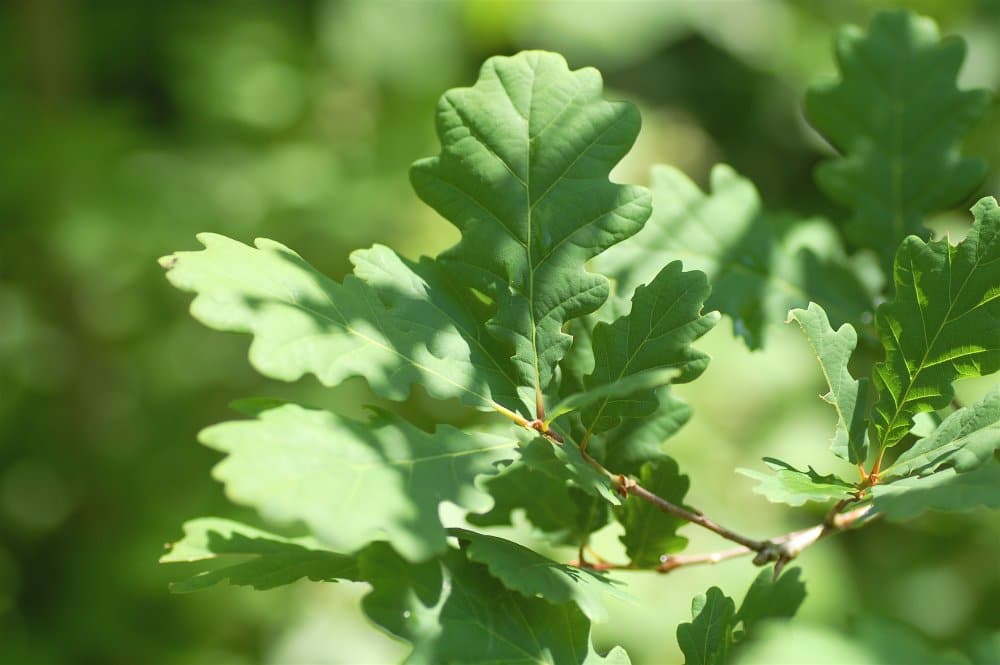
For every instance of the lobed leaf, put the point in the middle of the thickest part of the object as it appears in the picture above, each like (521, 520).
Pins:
(649, 532)
(847, 395)
(759, 264)
(637, 441)
(946, 490)
(706, 640)
(965, 440)
(567, 464)
(523, 570)
(789, 485)
(218, 550)
(943, 325)
(523, 174)
(353, 483)
(613, 392)
(656, 334)
(897, 117)
(395, 323)
(769, 598)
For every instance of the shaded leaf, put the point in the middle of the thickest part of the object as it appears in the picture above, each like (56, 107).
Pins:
(789, 485)
(847, 395)
(759, 264)
(566, 463)
(655, 335)
(351, 482)
(219, 550)
(897, 117)
(637, 441)
(649, 532)
(769, 598)
(965, 440)
(523, 174)
(303, 322)
(945, 490)
(534, 575)
(614, 392)
(943, 325)
(706, 640)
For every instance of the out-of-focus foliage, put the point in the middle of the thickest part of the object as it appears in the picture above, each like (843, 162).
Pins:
(127, 127)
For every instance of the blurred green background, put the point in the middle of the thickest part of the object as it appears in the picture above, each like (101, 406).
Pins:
(127, 127)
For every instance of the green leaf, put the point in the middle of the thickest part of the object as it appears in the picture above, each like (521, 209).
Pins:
(897, 117)
(404, 326)
(656, 334)
(637, 441)
(965, 440)
(566, 463)
(789, 485)
(759, 264)
(219, 550)
(847, 395)
(534, 575)
(942, 325)
(456, 611)
(706, 640)
(613, 392)
(523, 174)
(649, 532)
(769, 598)
(352, 482)
(946, 490)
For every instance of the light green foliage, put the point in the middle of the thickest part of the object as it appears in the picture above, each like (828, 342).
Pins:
(567, 464)
(965, 440)
(759, 264)
(706, 640)
(354, 482)
(214, 550)
(657, 333)
(946, 490)
(403, 327)
(709, 638)
(897, 117)
(534, 575)
(615, 392)
(523, 174)
(847, 395)
(943, 325)
(789, 485)
(649, 532)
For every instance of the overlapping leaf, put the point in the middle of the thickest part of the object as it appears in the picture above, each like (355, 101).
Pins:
(523, 570)
(847, 395)
(789, 485)
(523, 174)
(966, 439)
(897, 118)
(398, 324)
(637, 441)
(943, 325)
(649, 532)
(456, 611)
(351, 482)
(219, 550)
(666, 318)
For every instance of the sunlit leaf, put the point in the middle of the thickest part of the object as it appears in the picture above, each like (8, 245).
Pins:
(789, 485)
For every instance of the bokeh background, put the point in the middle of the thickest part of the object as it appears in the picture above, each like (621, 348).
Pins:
(126, 127)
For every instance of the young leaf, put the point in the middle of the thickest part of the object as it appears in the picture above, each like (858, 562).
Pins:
(219, 550)
(523, 174)
(303, 322)
(769, 598)
(945, 490)
(456, 611)
(534, 575)
(897, 117)
(706, 640)
(351, 482)
(657, 333)
(759, 264)
(965, 440)
(847, 395)
(789, 485)
(649, 532)
(942, 325)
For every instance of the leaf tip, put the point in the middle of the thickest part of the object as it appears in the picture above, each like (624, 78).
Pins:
(167, 262)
